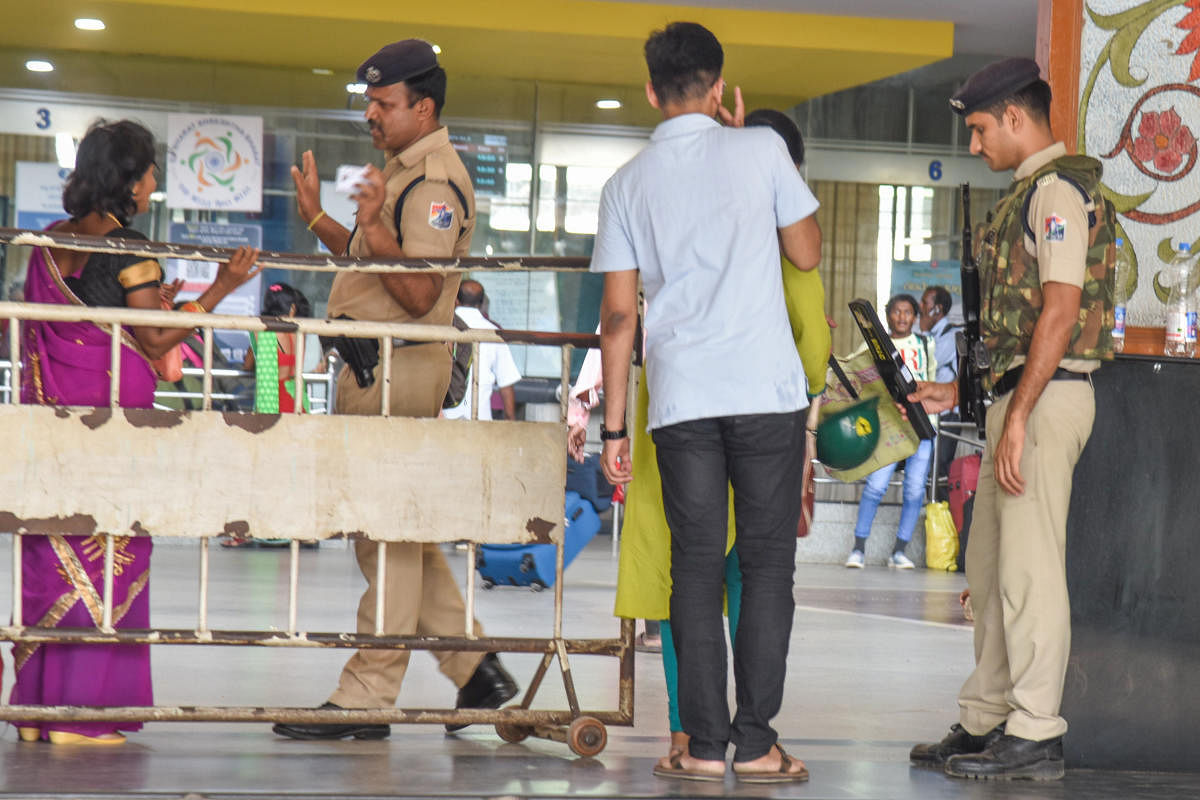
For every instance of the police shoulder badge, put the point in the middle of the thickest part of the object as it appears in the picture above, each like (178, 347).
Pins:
(441, 216)
(1056, 228)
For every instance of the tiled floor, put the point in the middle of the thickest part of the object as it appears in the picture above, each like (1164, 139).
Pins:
(876, 659)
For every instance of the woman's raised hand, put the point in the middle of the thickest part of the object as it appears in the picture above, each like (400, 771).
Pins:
(239, 269)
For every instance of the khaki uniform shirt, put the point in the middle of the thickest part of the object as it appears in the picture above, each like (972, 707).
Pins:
(1062, 260)
(436, 222)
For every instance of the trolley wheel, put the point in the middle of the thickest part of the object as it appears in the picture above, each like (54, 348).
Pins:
(488, 583)
(586, 736)
(512, 732)
(536, 586)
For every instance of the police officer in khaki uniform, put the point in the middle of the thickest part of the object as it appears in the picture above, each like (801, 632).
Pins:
(421, 204)
(1045, 268)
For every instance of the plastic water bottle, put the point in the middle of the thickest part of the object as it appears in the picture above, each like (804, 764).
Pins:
(1120, 300)
(1181, 312)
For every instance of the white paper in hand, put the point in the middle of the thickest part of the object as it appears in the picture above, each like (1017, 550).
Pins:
(349, 178)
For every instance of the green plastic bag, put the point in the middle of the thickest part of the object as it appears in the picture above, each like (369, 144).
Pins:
(941, 538)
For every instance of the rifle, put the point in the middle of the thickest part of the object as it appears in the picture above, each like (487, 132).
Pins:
(973, 359)
(896, 375)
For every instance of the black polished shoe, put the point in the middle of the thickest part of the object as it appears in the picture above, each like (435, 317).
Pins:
(1012, 758)
(315, 731)
(489, 687)
(957, 742)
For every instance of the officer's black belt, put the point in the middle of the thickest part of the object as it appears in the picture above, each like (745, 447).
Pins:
(1008, 381)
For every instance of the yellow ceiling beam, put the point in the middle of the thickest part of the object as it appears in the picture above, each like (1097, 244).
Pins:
(620, 20)
(788, 57)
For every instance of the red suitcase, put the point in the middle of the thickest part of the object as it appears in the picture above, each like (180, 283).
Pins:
(964, 477)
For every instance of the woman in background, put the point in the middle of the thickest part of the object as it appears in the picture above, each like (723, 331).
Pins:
(272, 356)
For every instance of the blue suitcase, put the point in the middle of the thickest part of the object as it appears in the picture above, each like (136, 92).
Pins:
(532, 565)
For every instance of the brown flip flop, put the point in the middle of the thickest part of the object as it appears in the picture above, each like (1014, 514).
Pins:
(782, 775)
(675, 769)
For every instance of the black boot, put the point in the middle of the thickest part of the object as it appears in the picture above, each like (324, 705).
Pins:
(357, 730)
(956, 742)
(489, 687)
(1012, 758)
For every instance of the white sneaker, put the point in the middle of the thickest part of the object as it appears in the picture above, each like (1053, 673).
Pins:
(900, 561)
(856, 560)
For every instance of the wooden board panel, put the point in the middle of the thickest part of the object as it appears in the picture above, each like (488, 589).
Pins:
(187, 474)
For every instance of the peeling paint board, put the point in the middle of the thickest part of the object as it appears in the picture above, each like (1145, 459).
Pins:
(188, 474)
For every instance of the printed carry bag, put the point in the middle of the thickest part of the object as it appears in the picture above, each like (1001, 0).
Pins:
(897, 439)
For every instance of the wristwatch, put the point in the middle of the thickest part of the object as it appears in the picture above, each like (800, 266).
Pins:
(607, 435)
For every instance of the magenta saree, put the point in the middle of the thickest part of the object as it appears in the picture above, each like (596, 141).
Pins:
(67, 363)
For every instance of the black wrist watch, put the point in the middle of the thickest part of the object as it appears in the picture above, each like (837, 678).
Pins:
(607, 435)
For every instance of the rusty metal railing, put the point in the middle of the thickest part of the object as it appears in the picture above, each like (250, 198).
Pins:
(582, 730)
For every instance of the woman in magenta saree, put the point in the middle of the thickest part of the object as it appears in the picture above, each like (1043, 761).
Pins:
(67, 364)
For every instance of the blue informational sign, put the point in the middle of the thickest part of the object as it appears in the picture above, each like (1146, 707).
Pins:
(38, 220)
(197, 276)
(39, 190)
(914, 277)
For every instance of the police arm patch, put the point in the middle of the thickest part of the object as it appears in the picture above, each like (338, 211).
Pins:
(1055, 228)
(441, 216)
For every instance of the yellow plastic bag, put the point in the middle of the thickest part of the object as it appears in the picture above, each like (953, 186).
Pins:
(941, 538)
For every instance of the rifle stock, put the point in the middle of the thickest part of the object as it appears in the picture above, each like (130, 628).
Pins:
(973, 361)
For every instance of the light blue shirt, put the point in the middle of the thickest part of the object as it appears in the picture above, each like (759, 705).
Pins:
(698, 213)
(947, 351)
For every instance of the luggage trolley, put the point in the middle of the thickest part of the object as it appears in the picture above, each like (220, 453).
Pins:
(528, 508)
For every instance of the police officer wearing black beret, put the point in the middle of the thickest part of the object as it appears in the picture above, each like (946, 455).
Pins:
(1046, 317)
(420, 205)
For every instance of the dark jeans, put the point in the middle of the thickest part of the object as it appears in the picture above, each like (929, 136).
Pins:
(762, 456)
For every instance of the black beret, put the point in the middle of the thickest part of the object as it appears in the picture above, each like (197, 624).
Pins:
(993, 83)
(396, 62)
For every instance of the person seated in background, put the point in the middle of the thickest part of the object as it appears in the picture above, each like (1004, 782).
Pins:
(918, 353)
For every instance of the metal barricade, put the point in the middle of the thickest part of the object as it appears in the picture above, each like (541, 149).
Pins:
(511, 508)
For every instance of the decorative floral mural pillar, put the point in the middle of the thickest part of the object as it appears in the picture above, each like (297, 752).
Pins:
(1139, 111)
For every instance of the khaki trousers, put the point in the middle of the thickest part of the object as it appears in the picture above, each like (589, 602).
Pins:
(421, 596)
(1016, 571)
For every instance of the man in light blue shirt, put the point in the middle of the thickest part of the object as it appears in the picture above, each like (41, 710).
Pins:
(935, 308)
(936, 303)
(700, 215)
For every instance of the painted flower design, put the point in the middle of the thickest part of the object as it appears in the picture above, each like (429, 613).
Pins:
(1163, 139)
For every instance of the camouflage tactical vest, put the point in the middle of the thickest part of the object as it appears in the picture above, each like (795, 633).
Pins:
(1011, 287)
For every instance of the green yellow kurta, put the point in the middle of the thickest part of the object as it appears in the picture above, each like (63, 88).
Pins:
(644, 574)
